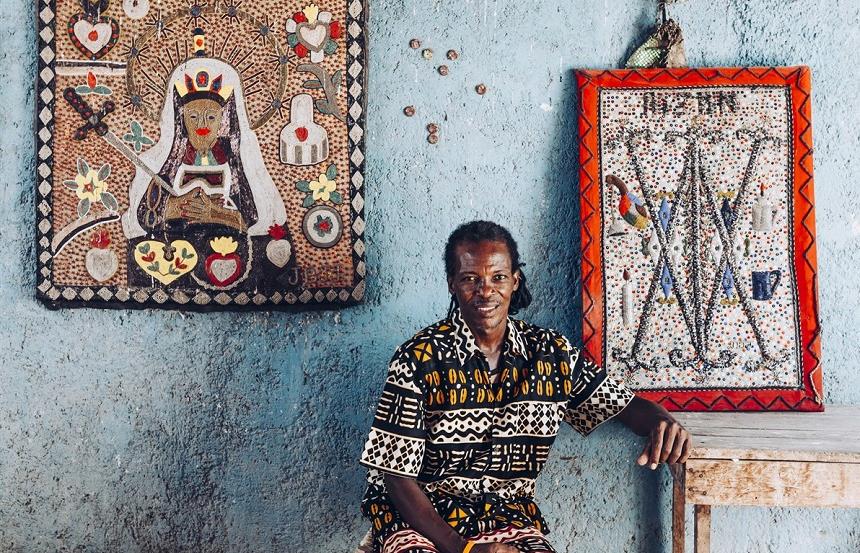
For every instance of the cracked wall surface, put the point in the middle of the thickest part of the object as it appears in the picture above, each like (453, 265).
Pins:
(238, 432)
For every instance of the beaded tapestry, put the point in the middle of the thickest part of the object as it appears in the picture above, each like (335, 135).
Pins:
(200, 154)
(699, 266)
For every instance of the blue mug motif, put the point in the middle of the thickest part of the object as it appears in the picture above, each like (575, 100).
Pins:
(764, 284)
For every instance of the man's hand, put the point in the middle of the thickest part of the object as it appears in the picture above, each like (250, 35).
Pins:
(669, 442)
(494, 548)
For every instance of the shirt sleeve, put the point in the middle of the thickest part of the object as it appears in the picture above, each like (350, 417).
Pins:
(595, 397)
(396, 441)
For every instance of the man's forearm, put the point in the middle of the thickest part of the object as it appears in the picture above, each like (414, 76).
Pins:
(416, 509)
(641, 415)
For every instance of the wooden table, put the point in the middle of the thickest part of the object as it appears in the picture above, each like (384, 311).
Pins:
(766, 459)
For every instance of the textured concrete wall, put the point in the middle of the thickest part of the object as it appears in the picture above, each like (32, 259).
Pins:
(240, 432)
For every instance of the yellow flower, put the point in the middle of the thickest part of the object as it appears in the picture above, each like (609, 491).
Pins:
(90, 187)
(322, 188)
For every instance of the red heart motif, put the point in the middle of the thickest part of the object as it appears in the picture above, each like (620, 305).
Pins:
(302, 134)
(218, 278)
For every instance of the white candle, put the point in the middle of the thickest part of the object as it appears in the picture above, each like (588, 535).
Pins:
(627, 300)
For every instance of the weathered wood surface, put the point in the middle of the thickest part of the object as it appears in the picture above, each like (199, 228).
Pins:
(766, 459)
(366, 545)
(679, 493)
(773, 483)
(702, 528)
(831, 436)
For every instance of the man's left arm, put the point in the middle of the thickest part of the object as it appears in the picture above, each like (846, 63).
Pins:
(596, 398)
(668, 440)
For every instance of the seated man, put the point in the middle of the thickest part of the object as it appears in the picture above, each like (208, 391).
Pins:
(471, 407)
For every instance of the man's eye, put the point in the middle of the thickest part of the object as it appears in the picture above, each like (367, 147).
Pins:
(501, 277)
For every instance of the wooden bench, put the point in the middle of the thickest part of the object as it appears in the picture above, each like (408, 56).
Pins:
(365, 546)
(765, 459)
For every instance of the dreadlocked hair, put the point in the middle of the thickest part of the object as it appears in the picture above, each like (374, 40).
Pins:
(487, 231)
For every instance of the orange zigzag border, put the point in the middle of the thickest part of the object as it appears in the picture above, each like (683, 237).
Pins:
(810, 396)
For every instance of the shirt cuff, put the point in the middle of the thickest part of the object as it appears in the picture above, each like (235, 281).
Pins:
(393, 453)
(608, 399)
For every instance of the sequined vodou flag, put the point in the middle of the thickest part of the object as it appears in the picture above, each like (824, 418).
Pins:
(200, 154)
(699, 264)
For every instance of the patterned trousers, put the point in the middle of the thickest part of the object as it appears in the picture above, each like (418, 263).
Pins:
(527, 540)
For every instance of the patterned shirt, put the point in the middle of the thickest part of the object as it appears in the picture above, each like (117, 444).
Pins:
(475, 444)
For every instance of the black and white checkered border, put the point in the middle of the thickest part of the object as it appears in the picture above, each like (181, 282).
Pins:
(112, 296)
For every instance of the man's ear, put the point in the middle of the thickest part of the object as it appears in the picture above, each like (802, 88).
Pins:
(451, 286)
(517, 277)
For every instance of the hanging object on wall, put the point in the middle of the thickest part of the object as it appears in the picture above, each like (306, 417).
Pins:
(699, 257)
(170, 140)
(664, 47)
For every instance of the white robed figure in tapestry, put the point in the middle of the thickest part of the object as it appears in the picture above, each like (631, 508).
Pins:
(212, 193)
(209, 157)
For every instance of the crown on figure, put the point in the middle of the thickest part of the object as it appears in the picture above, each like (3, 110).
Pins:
(202, 85)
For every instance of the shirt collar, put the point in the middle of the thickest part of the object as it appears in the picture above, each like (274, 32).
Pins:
(466, 346)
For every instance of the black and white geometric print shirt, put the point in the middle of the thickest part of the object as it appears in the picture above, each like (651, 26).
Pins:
(442, 420)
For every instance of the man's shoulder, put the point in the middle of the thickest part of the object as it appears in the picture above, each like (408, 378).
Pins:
(542, 339)
(428, 342)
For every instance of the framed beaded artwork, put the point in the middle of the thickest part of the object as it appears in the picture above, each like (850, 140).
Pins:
(200, 154)
(698, 235)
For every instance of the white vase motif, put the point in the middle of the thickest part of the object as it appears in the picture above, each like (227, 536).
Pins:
(627, 300)
(303, 142)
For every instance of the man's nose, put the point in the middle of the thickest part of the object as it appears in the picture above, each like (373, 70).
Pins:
(485, 287)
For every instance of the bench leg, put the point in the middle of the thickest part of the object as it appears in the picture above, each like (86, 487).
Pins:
(703, 528)
(678, 507)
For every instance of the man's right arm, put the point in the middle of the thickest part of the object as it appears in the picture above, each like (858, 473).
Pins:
(416, 509)
(395, 447)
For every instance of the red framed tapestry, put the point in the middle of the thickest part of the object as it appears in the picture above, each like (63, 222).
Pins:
(200, 154)
(698, 235)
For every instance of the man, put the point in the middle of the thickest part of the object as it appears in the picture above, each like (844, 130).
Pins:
(471, 407)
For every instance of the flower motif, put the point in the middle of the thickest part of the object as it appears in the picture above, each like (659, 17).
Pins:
(322, 188)
(323, 226)
(312, 32)
(136, 137)
(92, 87)
(90, 186)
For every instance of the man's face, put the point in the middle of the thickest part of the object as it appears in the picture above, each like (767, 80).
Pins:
(202, 119)
(484, 283)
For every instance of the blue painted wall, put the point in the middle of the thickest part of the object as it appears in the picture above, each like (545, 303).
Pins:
(240, 432)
